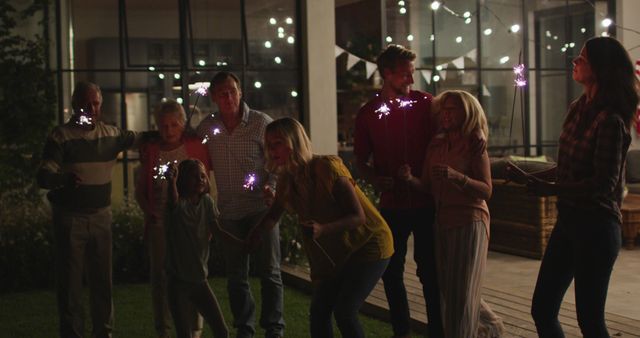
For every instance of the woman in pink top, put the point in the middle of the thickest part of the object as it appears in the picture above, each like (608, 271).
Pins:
(457, 173)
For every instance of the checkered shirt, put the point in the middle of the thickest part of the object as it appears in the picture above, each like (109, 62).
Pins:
(234, 156)
(592, 151)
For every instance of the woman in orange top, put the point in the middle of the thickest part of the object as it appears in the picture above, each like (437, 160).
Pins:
(457, 173)
(346, 239)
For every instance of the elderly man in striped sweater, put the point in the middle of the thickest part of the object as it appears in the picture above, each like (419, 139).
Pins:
(76, 167)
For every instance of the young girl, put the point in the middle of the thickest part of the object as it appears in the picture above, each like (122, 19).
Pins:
(347, 241)
(456, 171)
(190, 219)
(151, 194)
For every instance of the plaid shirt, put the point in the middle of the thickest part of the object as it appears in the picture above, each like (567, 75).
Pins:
(592, 151)
(234, 156)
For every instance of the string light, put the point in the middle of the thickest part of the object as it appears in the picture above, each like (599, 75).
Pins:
(435, 5)
(291, 40)
(410, 37)
(161, 76)
(152, 68)
(294, 93)
(488, 31)
(277, 60)
(202, 63)
(257, 84)
(606, 22)
(515, 28)
(402, 10)
(273, 21)
(267, 44)
(288, 21)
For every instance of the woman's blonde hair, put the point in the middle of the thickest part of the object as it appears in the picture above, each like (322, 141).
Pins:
(169, 106)
(296, 139)
(475, 118)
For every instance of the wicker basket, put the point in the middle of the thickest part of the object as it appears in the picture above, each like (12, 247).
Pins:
(520, 222)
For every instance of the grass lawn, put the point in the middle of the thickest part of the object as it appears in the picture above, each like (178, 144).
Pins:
(34, 314)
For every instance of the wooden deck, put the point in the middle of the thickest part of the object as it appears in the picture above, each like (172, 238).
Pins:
(513, 308)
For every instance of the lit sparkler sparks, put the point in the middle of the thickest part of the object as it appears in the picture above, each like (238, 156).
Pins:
(215, 131)
(202, 89)
(161, 170)
(520, 80)
(383, 111)
(83, 119)
(405, 103)
(250, 182)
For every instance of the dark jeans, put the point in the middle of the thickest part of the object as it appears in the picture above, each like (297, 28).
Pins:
(583, 246)
(343, 295)
(402, 224)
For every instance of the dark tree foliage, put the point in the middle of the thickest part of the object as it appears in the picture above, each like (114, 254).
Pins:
(27, 98)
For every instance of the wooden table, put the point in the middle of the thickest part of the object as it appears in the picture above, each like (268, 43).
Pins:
(630, 219)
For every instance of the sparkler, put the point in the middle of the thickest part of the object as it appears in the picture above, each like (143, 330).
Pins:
(383, 111)
(520, 80)
(161, 170)
(215, 132)
(250, 182)
(84, 119)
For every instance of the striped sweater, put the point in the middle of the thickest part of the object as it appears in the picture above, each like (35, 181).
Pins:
(90, 155)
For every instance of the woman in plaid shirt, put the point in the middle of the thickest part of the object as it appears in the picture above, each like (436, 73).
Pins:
(588, 181)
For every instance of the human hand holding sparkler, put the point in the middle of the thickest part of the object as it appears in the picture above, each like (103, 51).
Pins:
(444, 172)
(404, 172)
(312, 229)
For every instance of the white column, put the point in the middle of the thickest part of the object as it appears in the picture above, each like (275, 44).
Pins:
(627, 12)
(319, 75)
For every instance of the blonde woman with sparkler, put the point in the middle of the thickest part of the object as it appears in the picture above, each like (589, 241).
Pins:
(347, 241)
(456, 171)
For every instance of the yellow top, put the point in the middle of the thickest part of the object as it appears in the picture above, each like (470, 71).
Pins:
(309, 195)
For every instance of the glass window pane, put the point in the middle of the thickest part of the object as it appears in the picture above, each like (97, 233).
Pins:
(271, 30)
(216, 33)
(504, 118)
(153, 33)
(453, 44)
(94, 32)
(501, 25)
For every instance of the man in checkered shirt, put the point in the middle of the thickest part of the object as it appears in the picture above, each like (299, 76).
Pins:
(235, 138)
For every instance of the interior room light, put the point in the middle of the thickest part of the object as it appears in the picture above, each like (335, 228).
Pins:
(435, 5)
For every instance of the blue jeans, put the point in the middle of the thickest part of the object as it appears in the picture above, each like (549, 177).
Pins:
(343, 295)
(402, 224)
(241, 300)
(583, 246)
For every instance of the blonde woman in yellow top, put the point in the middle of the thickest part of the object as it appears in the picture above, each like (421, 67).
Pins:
(346, 240)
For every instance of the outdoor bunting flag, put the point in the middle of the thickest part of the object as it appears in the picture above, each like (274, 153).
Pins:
(352, 60)
(426, 74)
(459, 62)
(338, 51)
(371, 68)
(473, 55)
(485, 91)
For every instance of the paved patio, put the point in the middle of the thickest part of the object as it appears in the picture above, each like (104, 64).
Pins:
(509, 285)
